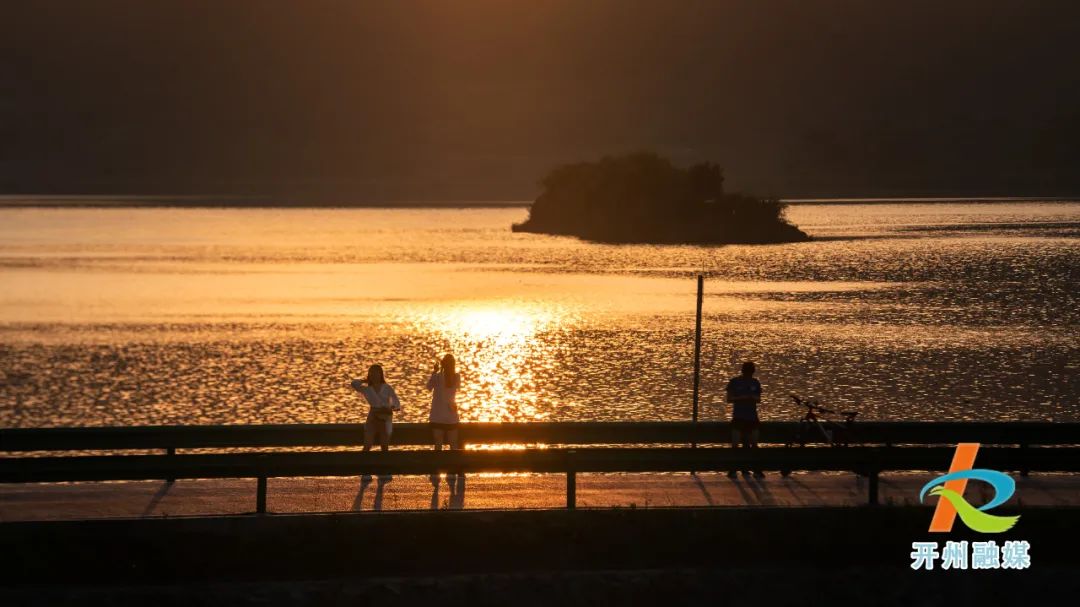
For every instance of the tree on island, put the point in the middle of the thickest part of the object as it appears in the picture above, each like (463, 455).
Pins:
(643, 198)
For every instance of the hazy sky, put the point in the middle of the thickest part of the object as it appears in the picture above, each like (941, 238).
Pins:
(477, 98)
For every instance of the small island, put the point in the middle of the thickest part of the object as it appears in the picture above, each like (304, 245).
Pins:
(644, 198)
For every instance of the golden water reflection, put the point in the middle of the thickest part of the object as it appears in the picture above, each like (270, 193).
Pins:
(226, 316)
(502, 362)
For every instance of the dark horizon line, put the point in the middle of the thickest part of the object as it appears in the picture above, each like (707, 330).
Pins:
(255, 202)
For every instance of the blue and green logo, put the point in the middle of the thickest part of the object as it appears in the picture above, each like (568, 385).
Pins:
(950, 491)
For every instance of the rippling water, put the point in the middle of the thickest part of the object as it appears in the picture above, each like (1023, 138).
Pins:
(169, 316)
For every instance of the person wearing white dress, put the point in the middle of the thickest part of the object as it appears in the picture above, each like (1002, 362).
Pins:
(383, 402)
(444, 384)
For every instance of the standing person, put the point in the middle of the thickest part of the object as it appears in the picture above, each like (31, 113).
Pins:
(383, 401)
(444, 384)
(744, 394)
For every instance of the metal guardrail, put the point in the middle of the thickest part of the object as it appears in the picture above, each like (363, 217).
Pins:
(865, 460)
(551, 433)
(868, 461)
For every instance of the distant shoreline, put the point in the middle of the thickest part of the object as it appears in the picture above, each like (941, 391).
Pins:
(238, 202)
(931, 200)
(244, 202)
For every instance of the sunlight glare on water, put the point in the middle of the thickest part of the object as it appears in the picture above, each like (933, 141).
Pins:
(506, 361)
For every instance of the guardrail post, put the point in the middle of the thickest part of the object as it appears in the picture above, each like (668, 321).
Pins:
(169, 452)
(873, 474)
(571, 481)
(260, 496)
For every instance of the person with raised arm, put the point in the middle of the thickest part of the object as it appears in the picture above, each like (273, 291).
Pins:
(382, 402)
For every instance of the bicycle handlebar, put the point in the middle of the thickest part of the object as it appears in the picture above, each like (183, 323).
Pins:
(812, 405)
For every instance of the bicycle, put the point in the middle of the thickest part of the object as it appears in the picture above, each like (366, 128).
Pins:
(836, 434)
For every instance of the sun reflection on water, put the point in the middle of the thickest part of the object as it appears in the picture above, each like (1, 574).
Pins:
(500, 357)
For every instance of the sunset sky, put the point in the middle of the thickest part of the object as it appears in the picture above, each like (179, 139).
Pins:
(475, 100)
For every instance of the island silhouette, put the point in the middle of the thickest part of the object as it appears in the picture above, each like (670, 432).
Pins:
(643, 198)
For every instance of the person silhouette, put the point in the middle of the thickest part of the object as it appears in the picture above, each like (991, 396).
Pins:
(444, 384)
(383, 402)
(744, 394)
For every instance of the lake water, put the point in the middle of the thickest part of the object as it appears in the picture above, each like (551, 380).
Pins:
(957, 311)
